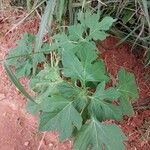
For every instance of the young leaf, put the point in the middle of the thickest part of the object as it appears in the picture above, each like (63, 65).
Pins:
(97, 29)
(64, 120)
(99, 136)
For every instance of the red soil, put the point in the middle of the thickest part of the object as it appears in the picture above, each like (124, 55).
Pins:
(18, 129)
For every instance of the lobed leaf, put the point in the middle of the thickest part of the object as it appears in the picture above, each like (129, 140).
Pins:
(64, 120)
(84, 69)
(99, 136)
(97, 28)
(101, 105)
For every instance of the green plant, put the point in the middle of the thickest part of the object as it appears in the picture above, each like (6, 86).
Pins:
(24, 63)
(72, 97)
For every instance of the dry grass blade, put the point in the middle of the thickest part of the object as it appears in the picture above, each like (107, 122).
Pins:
(126, 37)
(145, 6)
(102, 2)
(142, 30)
(22, 20)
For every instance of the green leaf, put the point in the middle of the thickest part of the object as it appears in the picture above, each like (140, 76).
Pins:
(86, 69)
(126, 106)
(72, 66)
(63, 42)
(64, 120)
(56, 95)
(47, 48)
(81, 100)
(72, 93)
(96, 72)
(101, 103)
(53, 104)
(106, 23)
(99, 136)
(86, 52)
(75, 32)
(99, 35)
(22, 63)
(84, 32)
(48, 104)
(88, 19)
(97, 29)
(46, 80)
(49, 91)
(128, 89)
(22, 56)
(79, 48)
(127, 84)
(109, 94)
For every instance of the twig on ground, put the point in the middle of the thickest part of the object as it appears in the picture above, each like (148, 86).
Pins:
(40, 144)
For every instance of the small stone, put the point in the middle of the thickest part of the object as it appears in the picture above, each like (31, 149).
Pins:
(26, 143)
(50, 144)
(2, 96)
